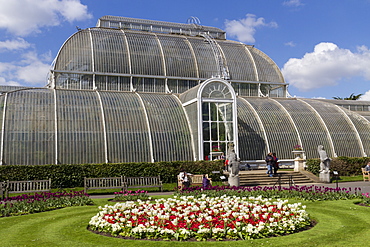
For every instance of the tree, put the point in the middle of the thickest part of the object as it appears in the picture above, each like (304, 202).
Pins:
(351, 97)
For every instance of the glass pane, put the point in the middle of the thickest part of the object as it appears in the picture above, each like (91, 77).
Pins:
(214, 131)
(169, 128)
(213, 111)
(222, 135)
(205, 111)
(216, 90)
(207, 150)
(216, 147)
(80, 127)
(30, 130)
(229, 112)
(172, 85)
(206, 134)
(229, 131)
(113, 83)
(138, 84)
(101, 82)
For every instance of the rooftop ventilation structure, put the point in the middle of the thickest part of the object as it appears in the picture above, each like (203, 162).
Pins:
(190, 29)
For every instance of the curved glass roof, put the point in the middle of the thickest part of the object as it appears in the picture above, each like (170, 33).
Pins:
(48, 126)
(107, 51)
(45, 126)
(277, 125)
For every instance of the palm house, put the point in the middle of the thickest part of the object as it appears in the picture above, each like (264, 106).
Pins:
(134, 90)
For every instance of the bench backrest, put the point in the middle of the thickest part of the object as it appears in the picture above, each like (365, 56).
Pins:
(195, 180)
(137, 181)
(28, 186)
(365, 174)
(112, 182)
(2, 189)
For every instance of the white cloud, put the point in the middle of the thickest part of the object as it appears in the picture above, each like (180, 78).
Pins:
(24, 17)
(326, 66)
(12, 45)
(293, 3)
(8, 83)
(32, 70)
(73, 10)
(366, 96)
(290, 43)
(244, 29)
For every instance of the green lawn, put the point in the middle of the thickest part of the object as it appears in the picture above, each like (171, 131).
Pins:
(349, 179)
(172, 186)
(339, 223)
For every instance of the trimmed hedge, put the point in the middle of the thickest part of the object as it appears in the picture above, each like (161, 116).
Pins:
(346, 166)
(72, 175)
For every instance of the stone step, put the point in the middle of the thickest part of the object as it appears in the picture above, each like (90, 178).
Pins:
(253, 178)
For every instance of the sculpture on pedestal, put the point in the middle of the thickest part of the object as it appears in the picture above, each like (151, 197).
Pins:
(325, 160)
(324, 165)
(233, 166)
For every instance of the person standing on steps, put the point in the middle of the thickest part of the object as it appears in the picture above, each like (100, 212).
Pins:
(269, 163)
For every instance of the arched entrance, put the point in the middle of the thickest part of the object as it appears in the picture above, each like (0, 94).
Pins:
(217, 118)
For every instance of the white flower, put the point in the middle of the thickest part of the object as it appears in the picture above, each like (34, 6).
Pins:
(189, 209)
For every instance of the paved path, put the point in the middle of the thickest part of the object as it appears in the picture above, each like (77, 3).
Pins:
(364, 186)
(112, 196)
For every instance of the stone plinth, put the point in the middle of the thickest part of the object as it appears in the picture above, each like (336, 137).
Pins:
(299, 160)
(234, 181)
(324, 177)
(299, 164)
(299, 154)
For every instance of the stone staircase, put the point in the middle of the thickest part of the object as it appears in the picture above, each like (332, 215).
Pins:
(259, 177)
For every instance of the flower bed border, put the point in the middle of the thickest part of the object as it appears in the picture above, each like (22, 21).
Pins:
(205, 218)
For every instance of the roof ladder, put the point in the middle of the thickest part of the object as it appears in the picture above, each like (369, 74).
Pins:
(223, 70)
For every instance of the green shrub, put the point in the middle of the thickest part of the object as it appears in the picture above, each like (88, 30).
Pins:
(313, 166)
(28, 204)
(72, 175)
(345, 166)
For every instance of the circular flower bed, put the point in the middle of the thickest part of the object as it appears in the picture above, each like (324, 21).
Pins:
(201, 218)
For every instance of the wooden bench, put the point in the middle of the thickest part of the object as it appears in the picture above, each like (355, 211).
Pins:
(2, 189)
(196, 180)
(25, 186)
(104, 183)
(365, 174)
(143, 182)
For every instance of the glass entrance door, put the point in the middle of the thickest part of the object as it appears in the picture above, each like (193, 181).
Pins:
(218, 119)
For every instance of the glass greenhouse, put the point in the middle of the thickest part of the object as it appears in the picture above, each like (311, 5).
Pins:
(133, 90)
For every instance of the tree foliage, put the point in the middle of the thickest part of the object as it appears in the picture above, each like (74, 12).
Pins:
(351, 97)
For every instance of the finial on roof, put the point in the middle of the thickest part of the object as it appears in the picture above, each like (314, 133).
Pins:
(193, 20)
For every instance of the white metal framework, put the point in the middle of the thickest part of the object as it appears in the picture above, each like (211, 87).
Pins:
(217, 117)
(133, 90)
(126, 54)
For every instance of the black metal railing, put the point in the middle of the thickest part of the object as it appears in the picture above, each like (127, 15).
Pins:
(281, 180)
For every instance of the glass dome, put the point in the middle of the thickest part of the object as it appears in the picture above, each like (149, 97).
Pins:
(138, 57)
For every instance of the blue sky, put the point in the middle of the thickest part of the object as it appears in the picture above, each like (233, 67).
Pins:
(321, 46)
